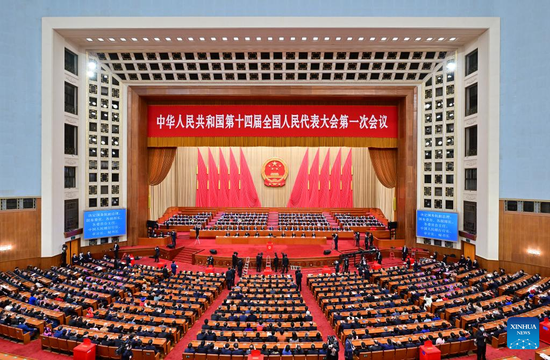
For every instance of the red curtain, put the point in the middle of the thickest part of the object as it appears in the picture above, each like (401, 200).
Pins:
(313, 183)
(160, 162)
(202, 182)
(335, 177)
(324, 179)
(213, 177)
(234, 181)
(299, 197)
(384, 162)
(249, 196)
(346, 196)
(223, 195)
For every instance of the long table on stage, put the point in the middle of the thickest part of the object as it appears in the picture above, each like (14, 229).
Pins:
(158, 241)
(276, 233)
(262, 240)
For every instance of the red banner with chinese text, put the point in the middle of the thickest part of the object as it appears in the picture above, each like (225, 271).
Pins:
(272, 121)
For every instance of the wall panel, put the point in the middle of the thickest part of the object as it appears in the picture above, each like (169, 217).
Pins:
(21, 229)
(179, 187)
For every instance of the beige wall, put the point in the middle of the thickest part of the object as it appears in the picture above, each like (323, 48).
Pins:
(179, 187)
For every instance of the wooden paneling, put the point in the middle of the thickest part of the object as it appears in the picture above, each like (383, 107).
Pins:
(43, 263)
(519, 232)
(403, 97)
(469, 250)
(21, 230)
(138, 192)
(179, 186)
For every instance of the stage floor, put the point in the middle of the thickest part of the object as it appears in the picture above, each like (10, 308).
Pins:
(253, 250)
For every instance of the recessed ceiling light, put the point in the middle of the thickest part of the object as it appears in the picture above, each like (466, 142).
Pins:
(451, 66)
(395, 39)
(92, 65)
(202, 39)
(91, 74)
(168, 39)
(304, 38)
(156, 39)
(418, 39)
(338, 38)
(406, 39)
(179, 39)
(269, 38)
(89, 39)
(292, 38)
(247, 39)
(123, 39)
(327, 38)
(236, 38)
(190, 39)
(281, 38)
(384, 39)
(440, 39)
(452, 39)
(429, 39)
(315, 38)
(361, 38)
(134, 39)
(372, 38)
(145, 39)
(349, 38)
(213, 39)
(100, 39)
(258, 38)
(224, 38)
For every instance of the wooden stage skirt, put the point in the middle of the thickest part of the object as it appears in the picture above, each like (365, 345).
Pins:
(251, 240)
(159, 241)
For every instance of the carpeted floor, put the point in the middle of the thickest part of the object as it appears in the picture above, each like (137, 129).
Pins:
(33, 350)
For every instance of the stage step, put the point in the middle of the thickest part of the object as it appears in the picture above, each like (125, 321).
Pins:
(186, 255)
(331, 220)
(215, 218)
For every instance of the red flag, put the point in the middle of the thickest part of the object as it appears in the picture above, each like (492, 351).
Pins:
(202, 182)
(346, 197)
(314, 182)
(324, 178)
(249, 196)
(213, 176)
(234, 182)
(335, 176)
(223, 195)
(299, 197)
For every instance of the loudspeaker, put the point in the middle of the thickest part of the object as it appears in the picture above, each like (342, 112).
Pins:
(213, 251)
(327, 252)
(392, 225)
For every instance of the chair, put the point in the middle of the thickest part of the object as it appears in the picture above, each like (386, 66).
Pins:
(12, 333)
(137, 354)
(412, 353)
(103, 351)
(365, 355)
(287, 357)
(212, 357)
(389, 354)
(63, 346)
(300, 357)
(150, 355)
(112, 353)
(455, 348)
(377, 355)
(187, 356)
(225, 357)
(466, 346)
(312, 357)
(44, 342)
(200, 356)
(72, 344)
(54, 344)
(400, 354)
(4, 330)
(269, 357)
(445, 349)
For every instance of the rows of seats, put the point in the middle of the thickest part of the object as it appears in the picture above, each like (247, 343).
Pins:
(263, 312)
(241, 221)
(200, 219)
(303, 221)
(111, 305)
(347, 220)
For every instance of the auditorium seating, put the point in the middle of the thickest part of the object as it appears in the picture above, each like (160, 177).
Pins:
(241, 221)
(179, 219)
(348, 220)
(303, 221)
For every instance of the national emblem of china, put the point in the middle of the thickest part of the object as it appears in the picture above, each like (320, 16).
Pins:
(274, 172)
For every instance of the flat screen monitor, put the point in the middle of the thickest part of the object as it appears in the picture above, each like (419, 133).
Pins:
(104, 223)
(437, 225)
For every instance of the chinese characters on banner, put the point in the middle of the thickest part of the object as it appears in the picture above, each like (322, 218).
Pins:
(437, 225)
(104, 223)
(272, 121)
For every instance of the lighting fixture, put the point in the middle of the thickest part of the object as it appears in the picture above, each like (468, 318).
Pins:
(247, 39)
(384, 39)
(281, 38)
(258, 39)
(533, 252)
(292, 38)
(429, 39)
(440, 39)
(395, 39)
(90, 74)
(315, 38)
(327, 38)
(406, 39)
(418, 39)
(156, 39)
(213, 39)
(452, 39)
(349, 38)
(190, 39)
(168, 39)
(145, 39)
(89, 39)
(100, 39)
(304, 38)
(179, 39)
(269, 38)
(123, 39)
(372, 39)
(236, 38)
(361, 38)
(338, 38)
(224, 38)
(451, 66)
(92, 65)
(134, 39)
(5, 247)
(202, 39)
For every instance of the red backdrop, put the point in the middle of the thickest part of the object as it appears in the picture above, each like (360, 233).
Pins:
(272, 121)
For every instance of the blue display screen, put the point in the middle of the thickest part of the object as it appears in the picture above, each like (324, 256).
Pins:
(104, 223)
(437, 225)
